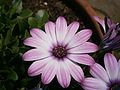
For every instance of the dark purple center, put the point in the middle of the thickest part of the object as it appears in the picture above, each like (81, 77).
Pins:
(59, 51)
(115, 86)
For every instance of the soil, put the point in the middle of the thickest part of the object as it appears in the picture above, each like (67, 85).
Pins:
(54, 8)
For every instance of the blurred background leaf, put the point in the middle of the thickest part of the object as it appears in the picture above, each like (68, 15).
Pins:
(107, 7)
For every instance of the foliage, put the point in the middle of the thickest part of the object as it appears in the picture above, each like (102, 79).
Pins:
(15, 21)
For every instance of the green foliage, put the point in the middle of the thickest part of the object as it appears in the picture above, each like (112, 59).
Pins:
(15, 21)
(39, 19)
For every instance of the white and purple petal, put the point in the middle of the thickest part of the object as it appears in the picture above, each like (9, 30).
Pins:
(99, 72)
(72, 29)
(40, 34)
(61, 29)
(118, 71)
(49, 71)
(63, 74)
(50, 31)
(111, 66)
(75, 71)
(36, 67)
(94, 84)
(80, 38)
(82, 59)
(35, 54)
(86, 47)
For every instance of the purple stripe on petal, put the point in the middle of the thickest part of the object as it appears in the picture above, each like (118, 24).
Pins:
(86, 47)
(119, 71)
(111, 66)
(101, 22)
(50, 30)
(37, 67)
(94, 84)
(49, 71)
(80, 38)
(99, 72)
(75, 71)
(37, 33)
(72, 29)
(61, 29)
(37, 43)
(35, 54)
(63, 74)
(82, 59)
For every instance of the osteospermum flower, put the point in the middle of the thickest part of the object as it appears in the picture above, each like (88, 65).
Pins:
(104, 79)
(57, 50)
(111, 40)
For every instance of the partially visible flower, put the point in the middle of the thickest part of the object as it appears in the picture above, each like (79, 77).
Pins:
(111, 40)
(104, 79)
(57, 50)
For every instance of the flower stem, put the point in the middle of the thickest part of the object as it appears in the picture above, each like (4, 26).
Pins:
(90, 11)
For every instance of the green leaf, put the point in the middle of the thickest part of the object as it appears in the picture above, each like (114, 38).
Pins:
(23, 25)
(17, 7)
(1, 26)
(32, 22)
(42, 17)
(12, 75)
(0, 44)
(26, 13)
(8, 38)
(2, 87)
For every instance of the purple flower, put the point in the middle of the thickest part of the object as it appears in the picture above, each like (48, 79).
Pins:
(57, 50)
(111, 40)
(104, 79)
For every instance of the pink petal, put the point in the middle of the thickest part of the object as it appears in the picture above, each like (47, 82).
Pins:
(101, 21)
(61, 29)
(37, 33)
(63, 74)
(94, 84)
(35, 54)
(82, 59)
(37, 67)
(75, 71)
(111, 66)
(37, 43)
(72, 29)
(50, 30)
(119, 70)
(86, 47)
(49, 71)
(99, 72)
(80, 38)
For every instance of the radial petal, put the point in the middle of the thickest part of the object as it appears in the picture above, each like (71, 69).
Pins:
(63, 74)
(61, 29)
(111, 66)
(37, 43)
(49, 71)
(72, 29)
(37, 33)
(94, 84)
(119, 71)
(35, 54)
(75, 71)
(79, 38)
(100, 21)
(50, 30)
(37, 67)
(86, 47)
(82, 59)
(99, 72)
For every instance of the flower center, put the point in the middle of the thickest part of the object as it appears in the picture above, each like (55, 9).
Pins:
(59, 51)
(115, 87)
